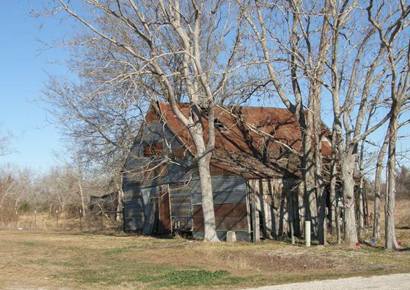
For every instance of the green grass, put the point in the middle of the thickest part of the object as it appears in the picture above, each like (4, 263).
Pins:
(154, 276)
(188, 278)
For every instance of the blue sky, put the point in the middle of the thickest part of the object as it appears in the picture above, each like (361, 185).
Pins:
(25, 63)
(28, 55)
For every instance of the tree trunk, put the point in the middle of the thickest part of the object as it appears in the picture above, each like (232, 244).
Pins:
(207, 199)
(377, 188)
(390, 233)
(81, 191)
(320, 191)
(337, 221)
(360, 211)
(332, 195)
(309, 172)
(204, 161)
(120, 199)
(348, 163)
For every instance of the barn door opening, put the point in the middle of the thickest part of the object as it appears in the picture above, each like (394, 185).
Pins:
(164, 212)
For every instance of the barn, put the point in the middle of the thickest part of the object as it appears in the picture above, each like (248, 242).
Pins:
(254, 168)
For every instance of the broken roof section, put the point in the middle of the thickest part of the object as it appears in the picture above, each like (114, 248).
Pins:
(254, 142)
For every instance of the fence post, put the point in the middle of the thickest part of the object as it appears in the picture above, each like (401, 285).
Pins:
(307, 233)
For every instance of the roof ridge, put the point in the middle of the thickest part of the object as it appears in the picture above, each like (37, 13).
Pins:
(229, 106)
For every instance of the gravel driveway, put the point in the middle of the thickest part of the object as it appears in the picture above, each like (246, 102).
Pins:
(390, 282)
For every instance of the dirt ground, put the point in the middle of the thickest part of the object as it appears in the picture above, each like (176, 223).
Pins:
(71, 261)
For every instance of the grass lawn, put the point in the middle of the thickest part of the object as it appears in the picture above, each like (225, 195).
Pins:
(56, 260)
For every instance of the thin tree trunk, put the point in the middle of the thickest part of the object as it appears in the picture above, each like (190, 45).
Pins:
(360, 211)
(120, 200)
(80, 189)
(337, 221)
(377, 188)
(390, 233)
(348, 164)
(332, 196)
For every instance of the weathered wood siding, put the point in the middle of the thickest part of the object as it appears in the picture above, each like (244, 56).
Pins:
(230, 203)
(139, 191)
(138, 208)
(181, 207)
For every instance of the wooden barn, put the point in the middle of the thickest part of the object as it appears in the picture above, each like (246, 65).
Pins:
(255, 176)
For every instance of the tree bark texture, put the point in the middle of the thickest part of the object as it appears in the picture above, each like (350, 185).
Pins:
(377, 189)
(348, 164)
(390, 233)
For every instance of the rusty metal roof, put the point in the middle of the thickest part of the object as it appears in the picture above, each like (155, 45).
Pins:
(255, 142)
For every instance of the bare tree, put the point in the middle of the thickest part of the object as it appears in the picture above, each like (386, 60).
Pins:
(391, 32)
(173, 51)
(286, 52)
(355, 118)
(4, 144)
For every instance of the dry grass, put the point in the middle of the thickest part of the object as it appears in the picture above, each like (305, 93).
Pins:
(57, 260)
(74, 260)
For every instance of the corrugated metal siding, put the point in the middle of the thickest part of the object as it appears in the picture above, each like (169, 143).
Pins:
(227, 189)
(231, 212)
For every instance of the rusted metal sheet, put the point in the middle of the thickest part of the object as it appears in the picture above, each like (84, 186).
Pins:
(236, 149)
(228, 216)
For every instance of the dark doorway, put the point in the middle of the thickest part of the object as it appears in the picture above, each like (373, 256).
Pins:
(164, 213)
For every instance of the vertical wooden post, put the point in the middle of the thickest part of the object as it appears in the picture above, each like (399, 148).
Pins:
(257, 226)
(57, 218)
(255, 221)
(307, 233)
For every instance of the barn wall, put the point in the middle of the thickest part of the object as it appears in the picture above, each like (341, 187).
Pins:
(181, 207)
(150, 134)
(140, 190)
(139, 207)
(230, 202)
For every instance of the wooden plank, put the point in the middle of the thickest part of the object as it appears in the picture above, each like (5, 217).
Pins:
(255, 218)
